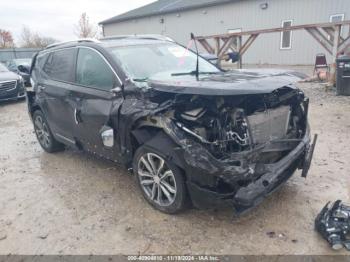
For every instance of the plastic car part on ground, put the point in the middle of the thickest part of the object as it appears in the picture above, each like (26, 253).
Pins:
(333, 223)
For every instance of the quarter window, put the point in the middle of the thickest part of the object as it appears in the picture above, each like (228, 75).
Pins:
(93, 71)
(286, 36)
(60, 65)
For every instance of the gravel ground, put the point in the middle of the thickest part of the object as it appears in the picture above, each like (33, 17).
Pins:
(73, 203)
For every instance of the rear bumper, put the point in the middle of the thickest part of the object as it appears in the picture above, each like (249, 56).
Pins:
(244, 197)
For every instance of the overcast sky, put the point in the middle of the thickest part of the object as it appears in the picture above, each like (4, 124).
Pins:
(56, 18)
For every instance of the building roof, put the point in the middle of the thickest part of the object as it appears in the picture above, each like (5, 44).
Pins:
(161, 7)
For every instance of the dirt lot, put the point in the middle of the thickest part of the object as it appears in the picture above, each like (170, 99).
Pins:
(72, 203)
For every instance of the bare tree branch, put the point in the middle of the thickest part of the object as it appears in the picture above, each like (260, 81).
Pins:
(34, 40)
(6, 39)
(84, 29)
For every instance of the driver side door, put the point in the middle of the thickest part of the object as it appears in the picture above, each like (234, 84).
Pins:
(95, 105)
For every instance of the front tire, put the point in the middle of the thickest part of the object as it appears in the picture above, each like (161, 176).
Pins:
(44, 134)
(161, 182)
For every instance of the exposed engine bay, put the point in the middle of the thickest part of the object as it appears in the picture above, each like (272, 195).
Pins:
(226, 125)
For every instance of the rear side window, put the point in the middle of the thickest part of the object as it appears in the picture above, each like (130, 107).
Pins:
(93, 71)
(60, 65)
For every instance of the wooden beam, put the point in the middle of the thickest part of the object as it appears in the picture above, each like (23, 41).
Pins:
(278, 29)
(315, 34)
(334, 54)
(234, 46)
(344, 45)
(226, 46)
(217, 50)
(217, 46)
(330, 32)
(322, 36)
(247, 44)
(225, 39)
(207, 46)
(336, 43)
(326, 34)
(239, 47)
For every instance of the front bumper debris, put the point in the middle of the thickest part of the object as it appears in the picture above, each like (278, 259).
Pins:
(333, 223)
(265, 178)
(308, 157)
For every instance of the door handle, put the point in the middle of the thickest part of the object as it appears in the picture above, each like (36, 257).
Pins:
(77, 117)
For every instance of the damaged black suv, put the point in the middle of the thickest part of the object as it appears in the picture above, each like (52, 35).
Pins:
(191, 132)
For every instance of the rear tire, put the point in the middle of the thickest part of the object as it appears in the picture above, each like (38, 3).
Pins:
(161, 182)
(44, 134)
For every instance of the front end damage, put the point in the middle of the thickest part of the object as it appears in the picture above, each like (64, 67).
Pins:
(235, 150)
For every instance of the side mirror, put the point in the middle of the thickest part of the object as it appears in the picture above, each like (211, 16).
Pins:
(23, 69)
(117, 88)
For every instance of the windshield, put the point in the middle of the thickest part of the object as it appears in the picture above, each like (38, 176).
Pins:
(3, 68)
(143, 61)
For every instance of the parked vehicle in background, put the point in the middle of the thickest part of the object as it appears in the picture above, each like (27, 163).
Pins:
(11, 85)
(188, 130)
(21, 67)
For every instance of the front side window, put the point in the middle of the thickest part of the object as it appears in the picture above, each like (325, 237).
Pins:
(60, 65)
(144, 61)
(286, 36)
(93, 71)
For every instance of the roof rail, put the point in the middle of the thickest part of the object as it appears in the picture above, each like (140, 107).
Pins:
(145, 36)
(91, 40)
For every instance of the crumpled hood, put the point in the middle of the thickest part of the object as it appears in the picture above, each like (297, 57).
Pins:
(235, 82)
(8, 76)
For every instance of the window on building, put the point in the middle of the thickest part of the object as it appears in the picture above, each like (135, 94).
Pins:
(286, 36)
(236, 30)
(336, 18)
(93, 71)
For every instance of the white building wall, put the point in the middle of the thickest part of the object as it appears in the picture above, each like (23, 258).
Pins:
(246, 15)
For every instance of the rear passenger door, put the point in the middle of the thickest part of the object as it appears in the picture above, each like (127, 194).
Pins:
(54, 89)
(94, 100)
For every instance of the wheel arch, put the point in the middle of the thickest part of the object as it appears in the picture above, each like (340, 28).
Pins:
(35, 108)
(156, 139)
(32, 104)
